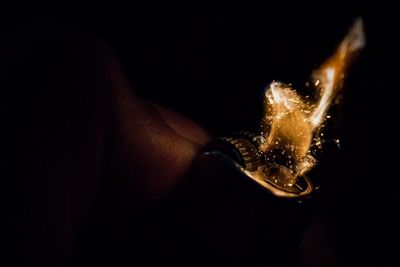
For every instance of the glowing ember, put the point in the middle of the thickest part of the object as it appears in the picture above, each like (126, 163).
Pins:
(292, 122)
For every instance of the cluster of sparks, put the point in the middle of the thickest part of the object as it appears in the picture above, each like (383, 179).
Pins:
(292, 126)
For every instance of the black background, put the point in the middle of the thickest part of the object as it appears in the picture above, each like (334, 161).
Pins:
(212, 62)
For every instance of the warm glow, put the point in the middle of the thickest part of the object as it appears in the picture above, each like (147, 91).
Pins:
(292, 122)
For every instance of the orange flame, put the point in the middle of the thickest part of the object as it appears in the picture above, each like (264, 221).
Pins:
(291, 121)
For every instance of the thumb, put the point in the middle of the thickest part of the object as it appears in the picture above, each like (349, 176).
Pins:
(152, 146)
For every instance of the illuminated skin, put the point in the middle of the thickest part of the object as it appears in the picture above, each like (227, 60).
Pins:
(292, 121)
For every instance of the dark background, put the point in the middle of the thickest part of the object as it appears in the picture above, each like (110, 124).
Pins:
(212, 62)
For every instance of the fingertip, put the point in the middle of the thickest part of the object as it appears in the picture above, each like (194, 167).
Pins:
(183, 126)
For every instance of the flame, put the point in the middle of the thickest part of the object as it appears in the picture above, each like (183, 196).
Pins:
(292, 121)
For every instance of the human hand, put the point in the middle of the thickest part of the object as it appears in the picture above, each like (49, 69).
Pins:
(75, 131)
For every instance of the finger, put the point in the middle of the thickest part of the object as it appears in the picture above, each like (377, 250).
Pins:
(183, 126)
(149, 156)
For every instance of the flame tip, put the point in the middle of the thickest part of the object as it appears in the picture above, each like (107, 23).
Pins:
(355, 39)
